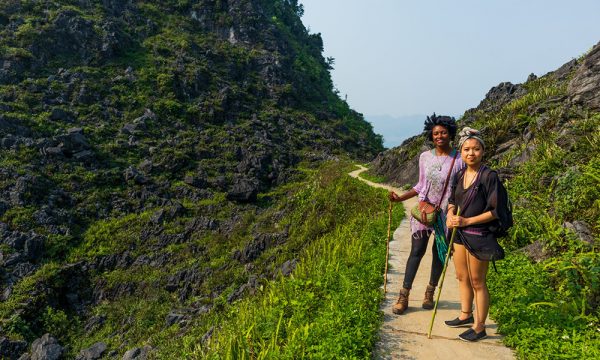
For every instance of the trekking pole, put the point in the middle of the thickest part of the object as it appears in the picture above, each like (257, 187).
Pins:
(437, 300)
(387, 248)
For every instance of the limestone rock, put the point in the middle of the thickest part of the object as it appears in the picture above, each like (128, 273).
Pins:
(584, 88)
(94, 352)
(46, 348)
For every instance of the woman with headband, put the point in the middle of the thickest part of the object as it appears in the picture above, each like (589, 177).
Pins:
(476, 191)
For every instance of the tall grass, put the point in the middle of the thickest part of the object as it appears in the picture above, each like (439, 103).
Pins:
(329, 307)
(549, 309)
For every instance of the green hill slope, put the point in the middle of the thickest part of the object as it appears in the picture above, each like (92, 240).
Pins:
(146, 148)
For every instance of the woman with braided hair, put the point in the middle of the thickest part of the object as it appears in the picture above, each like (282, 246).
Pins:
(436, 166)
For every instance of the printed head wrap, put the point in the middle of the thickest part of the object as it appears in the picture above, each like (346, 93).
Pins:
(469, 133)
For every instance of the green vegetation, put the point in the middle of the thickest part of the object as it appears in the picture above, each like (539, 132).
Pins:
(544, 308)
(134, 216)
(549, 307)
(335, 285)
(372, 177)
(337, 231)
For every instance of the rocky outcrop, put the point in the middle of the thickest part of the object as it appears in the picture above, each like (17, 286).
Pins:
(94, 352)
(400, 165)
(140, 353)
(500, 95)
(584, 88)
(46, 348)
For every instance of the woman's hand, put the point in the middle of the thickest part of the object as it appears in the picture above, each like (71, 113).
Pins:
(453, 221)
(394, 197)
(449, 222)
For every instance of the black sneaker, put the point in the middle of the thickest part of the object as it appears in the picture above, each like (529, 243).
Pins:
(471, 335)
(459, 323)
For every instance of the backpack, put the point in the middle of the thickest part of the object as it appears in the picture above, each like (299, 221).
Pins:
(504, 210)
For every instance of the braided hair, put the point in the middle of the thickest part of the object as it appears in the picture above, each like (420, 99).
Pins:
(446, 121)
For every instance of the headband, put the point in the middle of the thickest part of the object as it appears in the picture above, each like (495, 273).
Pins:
(468, 133)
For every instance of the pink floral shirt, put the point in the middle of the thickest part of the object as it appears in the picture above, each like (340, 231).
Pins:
(433, 171)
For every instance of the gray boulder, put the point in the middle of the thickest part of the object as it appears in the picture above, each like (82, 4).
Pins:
(138, 353)
(243, 190)
(94, 352)
(581, 230)
(46, 348)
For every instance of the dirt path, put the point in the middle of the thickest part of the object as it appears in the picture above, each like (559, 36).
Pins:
(405, 336)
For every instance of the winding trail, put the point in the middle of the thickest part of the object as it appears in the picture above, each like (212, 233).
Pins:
(405, 336)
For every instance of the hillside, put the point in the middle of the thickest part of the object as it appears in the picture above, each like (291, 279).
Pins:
(147, 151)
(543, 137)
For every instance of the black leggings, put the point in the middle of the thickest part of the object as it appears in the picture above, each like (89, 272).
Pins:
(418, 248)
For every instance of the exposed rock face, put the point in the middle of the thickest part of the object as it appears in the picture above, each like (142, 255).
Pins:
(584, 88)
(46, 348)
(138, 353)
(536, 251)
(397, 164)
(94, 352)
(581, 230)
(500, 95)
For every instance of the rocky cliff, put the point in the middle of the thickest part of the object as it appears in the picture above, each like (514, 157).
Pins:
(141, 143)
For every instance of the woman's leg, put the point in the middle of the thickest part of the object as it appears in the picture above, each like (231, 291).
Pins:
(419, 240)
(417, 250)
(436, 266)
(464, 285)
(478, 276)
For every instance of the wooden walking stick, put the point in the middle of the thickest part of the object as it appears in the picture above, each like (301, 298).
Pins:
(387, 248)
(437, 300)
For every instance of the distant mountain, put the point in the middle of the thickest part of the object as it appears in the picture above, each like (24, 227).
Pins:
(396, 129)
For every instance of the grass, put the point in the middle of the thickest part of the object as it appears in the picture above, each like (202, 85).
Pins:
(336, 284)
(549, 309)
(540, 322)
(372, 177)
(337, 227)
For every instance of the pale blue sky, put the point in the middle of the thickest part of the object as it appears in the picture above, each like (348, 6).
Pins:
(400, 58)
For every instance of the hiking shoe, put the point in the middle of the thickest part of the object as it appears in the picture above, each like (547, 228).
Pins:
(471, 335)
(402, 302)
(459, 323)
(428, 300)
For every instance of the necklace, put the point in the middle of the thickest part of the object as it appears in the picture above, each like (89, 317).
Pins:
(440, 163)
(473, 176)
(469, 182)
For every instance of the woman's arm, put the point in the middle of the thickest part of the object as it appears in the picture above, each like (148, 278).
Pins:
(407, 195)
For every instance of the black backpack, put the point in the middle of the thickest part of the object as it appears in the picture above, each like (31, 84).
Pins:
(504, 210)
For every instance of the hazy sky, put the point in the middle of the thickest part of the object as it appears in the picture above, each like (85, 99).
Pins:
(400, 57)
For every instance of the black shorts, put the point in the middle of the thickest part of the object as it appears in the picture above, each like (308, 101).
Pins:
(484, 247)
